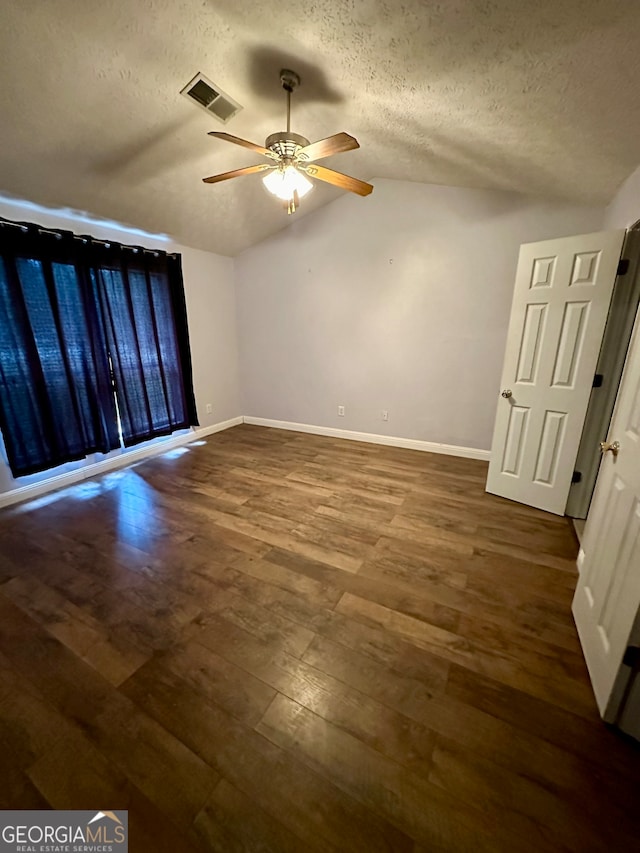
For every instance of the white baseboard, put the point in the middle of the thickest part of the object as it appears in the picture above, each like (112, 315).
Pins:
(219, 427)
(371, 438)
(59, 481)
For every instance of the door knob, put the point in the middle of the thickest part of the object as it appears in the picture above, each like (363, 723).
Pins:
(506, 394)
(614, 447)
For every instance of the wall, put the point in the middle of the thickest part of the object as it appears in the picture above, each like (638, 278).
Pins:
(398, 301)
(209, 292)
(624, 209)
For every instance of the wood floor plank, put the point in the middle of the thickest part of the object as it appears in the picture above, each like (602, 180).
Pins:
(17, 791)
(575, 733)
(278, 613)
(73, 774)
(283, 539)
(215, 679)
(316, 592)
(74, 627)
(474, 729)
(253, 828)
(393, 681)
(261, 618)
(403, 599)
(68, 683)
(426, 569)
(461, 649)
(373, 723)
(535, 616)
(376, 781)
(288, 642)
(29, 725)
(166, 771)
(284, 787)
(528, 807)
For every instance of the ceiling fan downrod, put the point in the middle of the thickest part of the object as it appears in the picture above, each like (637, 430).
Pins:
(290, 82)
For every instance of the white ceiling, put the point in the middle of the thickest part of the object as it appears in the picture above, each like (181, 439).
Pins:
(539, 97)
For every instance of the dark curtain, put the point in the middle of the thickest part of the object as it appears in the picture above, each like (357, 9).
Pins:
(142, 298)
(80, 319)
(56, 397)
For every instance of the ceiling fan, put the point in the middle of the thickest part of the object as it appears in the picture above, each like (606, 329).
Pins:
(294, 156)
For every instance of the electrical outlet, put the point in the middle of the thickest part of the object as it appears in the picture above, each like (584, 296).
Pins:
(209, 408)
(340, 411)
(385, 415)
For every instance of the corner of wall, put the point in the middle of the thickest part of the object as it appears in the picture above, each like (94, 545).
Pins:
(624, 208)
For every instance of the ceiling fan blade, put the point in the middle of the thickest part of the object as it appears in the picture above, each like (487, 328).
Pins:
(248, 170)
(326, 147)
(345, 182)
(245, 143)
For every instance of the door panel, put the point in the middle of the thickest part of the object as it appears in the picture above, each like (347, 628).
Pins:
(572, 332)
(585, 268)
(561, 299)
(514, 444)
(530, 347)
(549, 449)
(607, 598)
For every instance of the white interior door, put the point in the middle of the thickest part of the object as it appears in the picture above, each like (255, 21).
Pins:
(562, 293)
(607, 597)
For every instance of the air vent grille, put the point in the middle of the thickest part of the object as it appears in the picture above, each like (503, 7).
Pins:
(204, 94)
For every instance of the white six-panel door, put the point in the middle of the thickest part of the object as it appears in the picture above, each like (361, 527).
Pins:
(607, 597)
(562, 293)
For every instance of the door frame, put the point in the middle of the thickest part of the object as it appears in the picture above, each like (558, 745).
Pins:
(615, 343)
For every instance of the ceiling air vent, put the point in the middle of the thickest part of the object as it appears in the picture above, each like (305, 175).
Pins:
(202, 92)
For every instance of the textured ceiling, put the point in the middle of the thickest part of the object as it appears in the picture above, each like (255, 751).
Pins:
(539, 97)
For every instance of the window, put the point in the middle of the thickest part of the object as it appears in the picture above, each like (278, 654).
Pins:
(79, 318)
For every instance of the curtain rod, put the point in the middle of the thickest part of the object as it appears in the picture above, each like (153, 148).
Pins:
(23, 226)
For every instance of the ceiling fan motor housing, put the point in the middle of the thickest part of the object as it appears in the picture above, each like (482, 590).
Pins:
(286, 144)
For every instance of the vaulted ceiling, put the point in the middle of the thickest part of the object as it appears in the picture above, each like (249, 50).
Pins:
(537, 97)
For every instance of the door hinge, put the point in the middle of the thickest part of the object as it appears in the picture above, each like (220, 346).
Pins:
(598, 380)
(623, 266)
(632, 657)
(577, 477)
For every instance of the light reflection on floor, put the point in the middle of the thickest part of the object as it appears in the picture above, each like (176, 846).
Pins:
(175, 453)
(83, 491)
(138, 514)
(89, 489)
(127, 501)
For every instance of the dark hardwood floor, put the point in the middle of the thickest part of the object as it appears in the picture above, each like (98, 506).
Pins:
(282, 642)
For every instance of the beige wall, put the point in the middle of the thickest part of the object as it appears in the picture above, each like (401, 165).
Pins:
(624, 209)
(398, 301)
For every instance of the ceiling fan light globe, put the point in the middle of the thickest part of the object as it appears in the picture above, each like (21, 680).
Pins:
(284, 183)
